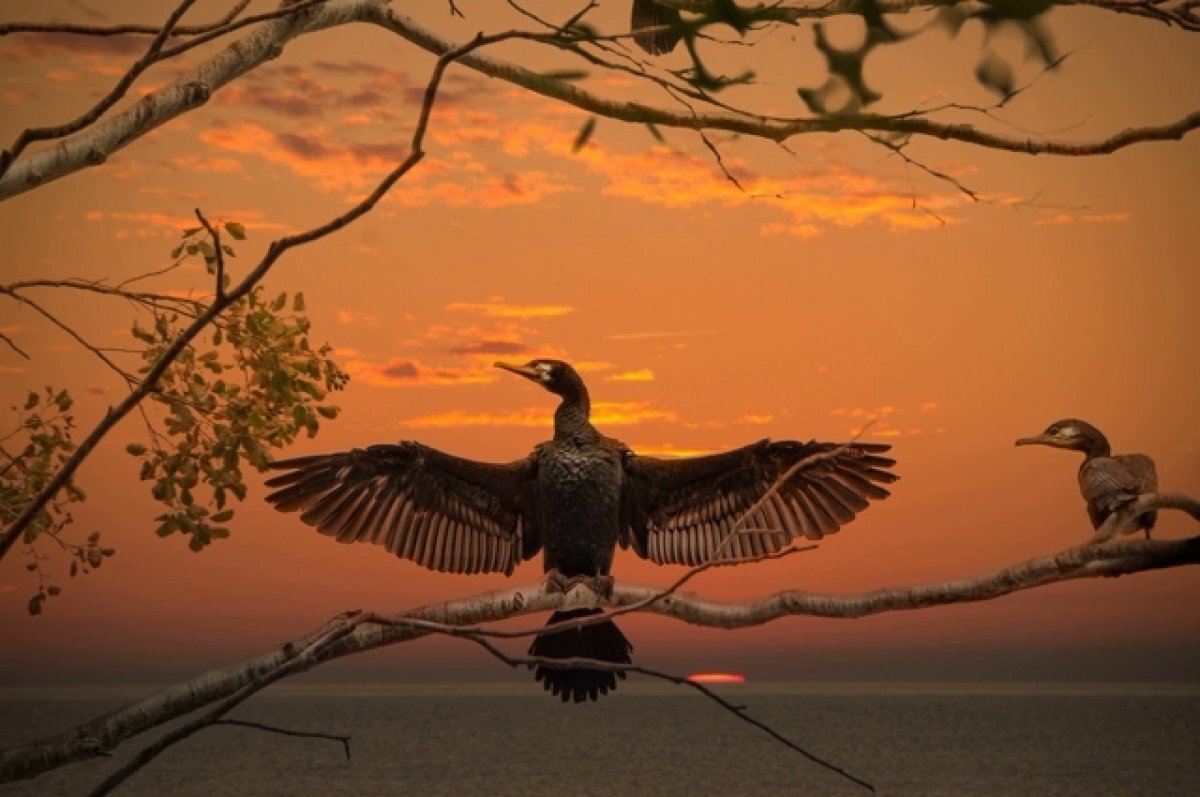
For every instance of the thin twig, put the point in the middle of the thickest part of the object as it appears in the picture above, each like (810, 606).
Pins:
(13, 345)
(345, 740)
(741, 712)
(65, 327)
(220, 256)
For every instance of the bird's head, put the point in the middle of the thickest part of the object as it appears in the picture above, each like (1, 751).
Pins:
(1069, 433)
(555, 375)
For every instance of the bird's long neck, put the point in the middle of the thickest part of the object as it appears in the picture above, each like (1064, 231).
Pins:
(571, 417)
(1096, 446)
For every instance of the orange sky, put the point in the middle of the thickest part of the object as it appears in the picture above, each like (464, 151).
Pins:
(840, 286)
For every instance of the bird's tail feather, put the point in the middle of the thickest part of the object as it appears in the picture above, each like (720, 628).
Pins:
(602, 642)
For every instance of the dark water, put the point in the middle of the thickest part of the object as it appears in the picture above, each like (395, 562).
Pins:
(959, 741)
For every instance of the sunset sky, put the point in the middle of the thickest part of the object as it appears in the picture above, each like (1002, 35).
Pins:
(840, 286)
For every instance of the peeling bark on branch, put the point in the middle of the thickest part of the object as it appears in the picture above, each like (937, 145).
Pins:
(462, 617)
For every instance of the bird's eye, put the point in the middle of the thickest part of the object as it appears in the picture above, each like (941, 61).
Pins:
(1053, 430)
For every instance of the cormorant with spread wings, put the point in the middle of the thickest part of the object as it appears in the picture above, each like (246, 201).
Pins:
(575, 498)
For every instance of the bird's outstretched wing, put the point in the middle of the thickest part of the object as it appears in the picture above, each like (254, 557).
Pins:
(681, 511)
(649, 14)
(449, 514)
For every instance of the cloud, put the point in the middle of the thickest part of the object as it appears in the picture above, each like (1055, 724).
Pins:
(38, 46)
(639, 375)
(756, 419)
(344, 166)
(928, 406)
(498, 308)
(361, 319)
(1065, 217)
(604, 413)
(671, 451)
(170, 225)
(652, 335)
(489, 347)
(407, 372)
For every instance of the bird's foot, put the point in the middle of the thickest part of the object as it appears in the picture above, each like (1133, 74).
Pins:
(602, 585)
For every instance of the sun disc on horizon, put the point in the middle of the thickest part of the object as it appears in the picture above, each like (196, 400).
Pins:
(716, 678)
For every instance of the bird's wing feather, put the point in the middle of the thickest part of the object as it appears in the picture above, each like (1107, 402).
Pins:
(649, 14)
(682, 511)
(449, 514)
(1110, 481)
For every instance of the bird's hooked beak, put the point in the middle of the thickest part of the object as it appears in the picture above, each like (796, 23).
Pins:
(1042, 439)
(521, 370)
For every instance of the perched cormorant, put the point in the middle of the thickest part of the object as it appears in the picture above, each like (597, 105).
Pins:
(649, 14)
(1107, 482)
(575, 498)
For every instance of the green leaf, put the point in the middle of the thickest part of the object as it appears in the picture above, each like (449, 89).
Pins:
(328, 412)
(238, 231)
(191, 231)
(136, 449)
(279, 303)
(35, 604)
(298, 303)
(31, 400)
(221, 517)
(584, 134)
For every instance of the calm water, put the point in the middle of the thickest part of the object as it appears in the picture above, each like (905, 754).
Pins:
(650, 740)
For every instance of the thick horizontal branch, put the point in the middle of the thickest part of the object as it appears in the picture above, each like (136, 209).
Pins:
(1090, 560)
(94, 145)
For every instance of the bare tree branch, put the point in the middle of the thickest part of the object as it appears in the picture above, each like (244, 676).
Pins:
(1090, 560)
(1172, 12)
(276, 250)
(194, 88)
(29, 135)
(741, 712)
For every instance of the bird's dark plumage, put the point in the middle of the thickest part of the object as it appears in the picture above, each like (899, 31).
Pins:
(576, 498)
(1107, 482)
(649, 14)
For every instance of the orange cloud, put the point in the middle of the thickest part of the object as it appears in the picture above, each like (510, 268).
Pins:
(406, 372)
(671, 451)
(604, 413)
(342, 166)
(498, 308)
(831, 194)
(640, 375)
(756, 418)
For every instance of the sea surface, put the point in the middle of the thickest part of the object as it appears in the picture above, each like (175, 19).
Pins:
(510, 739)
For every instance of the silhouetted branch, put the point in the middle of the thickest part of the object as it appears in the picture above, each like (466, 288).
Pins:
(370, 631)
(333, 737)
(741, 712)
(29, 135)
(100, 140)
(276, 250)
